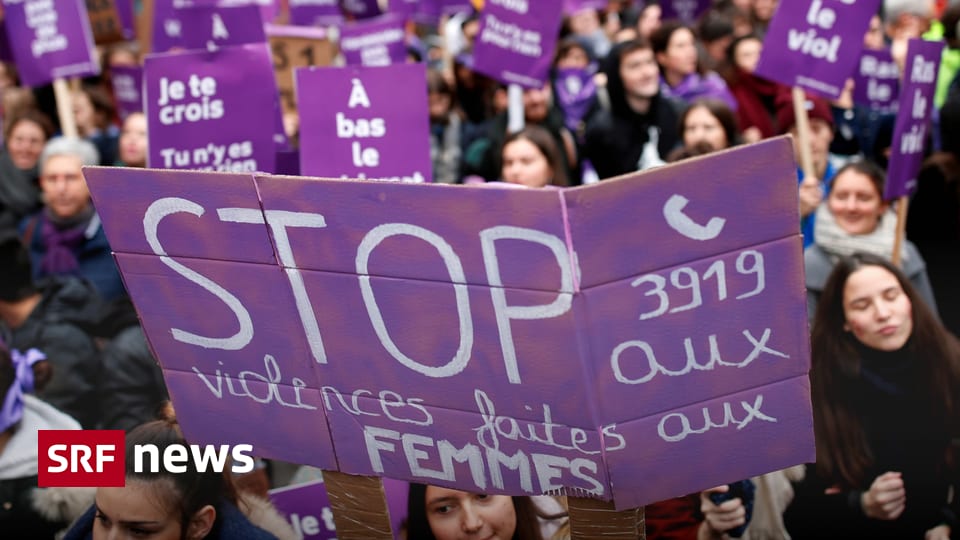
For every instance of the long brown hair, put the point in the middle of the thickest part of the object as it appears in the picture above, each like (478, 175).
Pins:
(843, 455)
(545, 143)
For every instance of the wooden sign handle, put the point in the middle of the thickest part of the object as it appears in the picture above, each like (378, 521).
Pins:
(68, 124)
(803, 132)
(590, 518)
(901, 228)
(359, 506)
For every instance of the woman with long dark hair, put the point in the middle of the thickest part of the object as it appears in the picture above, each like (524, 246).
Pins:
(884, 382)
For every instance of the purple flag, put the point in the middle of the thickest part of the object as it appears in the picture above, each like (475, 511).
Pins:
(575, 90)
(127, 89)
(358, 122)
(205, 26)
(375, 42)
(913, 117)
(687, 11)
(361, 9)
(814, 44)
(204, 113)
(52, 39)
(516, 41)
(877, 81)
(484, 339)
(315, 12)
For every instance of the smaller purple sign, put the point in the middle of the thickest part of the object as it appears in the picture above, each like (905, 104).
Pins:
(361, 9)
(377, 42)
(877, 81)
(360, 122)
(315, 12)
(205, 27)
(913, 117)
(127, 89)
(687, 11)
(203, 113)
(516, 41)
(127, 23)
(53, 39)
(573, 6)
(575, 90)
(814, 44)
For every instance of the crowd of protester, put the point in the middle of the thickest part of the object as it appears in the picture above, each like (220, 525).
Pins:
(885, 374)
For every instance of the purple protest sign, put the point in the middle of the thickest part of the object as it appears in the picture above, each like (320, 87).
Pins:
(516, 40)
(814, 44)
(364, 122)
(205, 27)
(307, 508)
(315, 12)
(361, 9)
(53, 39)
(687, 11)
(913, 117)
(483, 339)
(374, 42)
(204, 113)
(575, 91)
(127, 88)
(877, 81)
(127, 23)
(573, 6)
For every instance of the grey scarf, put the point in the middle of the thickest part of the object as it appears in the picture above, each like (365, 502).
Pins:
(839, 243)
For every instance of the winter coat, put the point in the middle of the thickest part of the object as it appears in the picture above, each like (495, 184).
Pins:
(25, 510)
(19, 193)
(131, 386)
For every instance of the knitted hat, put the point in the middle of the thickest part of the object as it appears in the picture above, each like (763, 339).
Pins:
(817, 108)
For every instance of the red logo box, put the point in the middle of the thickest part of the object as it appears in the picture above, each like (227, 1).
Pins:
(81, 458)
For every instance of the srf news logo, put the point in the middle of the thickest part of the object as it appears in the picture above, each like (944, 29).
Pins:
(97, 458)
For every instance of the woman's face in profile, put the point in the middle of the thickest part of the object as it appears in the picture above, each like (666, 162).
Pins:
(136, 511)
(877, 310)
(455, 515)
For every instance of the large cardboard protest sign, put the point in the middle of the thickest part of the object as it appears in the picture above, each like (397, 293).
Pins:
(52, 39)
(295, 47)
(632, 340)
(913, 117)
(209, 110)
(876, 81)
(127, 89)
(516, 40)
(814, 44)
(368, 123)
(374, 42)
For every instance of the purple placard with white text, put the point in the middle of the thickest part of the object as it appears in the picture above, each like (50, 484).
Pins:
(127, 89)
(574, 6)
(575, 91)
(361, 9)
(876, 81)
(358, 122)
(127, 23)
(516, 40)
(315, 12)
(687, 11)
(913, 117)
(203, 113)
(494, 340)
(374, 42)
(814, 44)
(53, 39)
(205, 26)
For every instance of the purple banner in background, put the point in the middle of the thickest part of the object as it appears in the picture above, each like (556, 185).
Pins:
(315, 12)
(361, 9)
(517, 39)
(814, 44)
(364, 122)
(573, 6)
(376, 42)
(204, 27)
(687, 11)
(127, 22)
(913, 117)
(52, 39)
(877, 81)
(127, 89)
(204, 113)
(575, 91)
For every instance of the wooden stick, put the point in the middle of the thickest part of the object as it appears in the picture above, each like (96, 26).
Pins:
(359, 507)
(515, 113)
(68, 124)
(803, 132)
(901, 228)
(590, 518)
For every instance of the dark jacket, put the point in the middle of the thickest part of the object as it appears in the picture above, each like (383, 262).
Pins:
(131, 386)
(615, 137)
(55, 328)
(19, 193)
